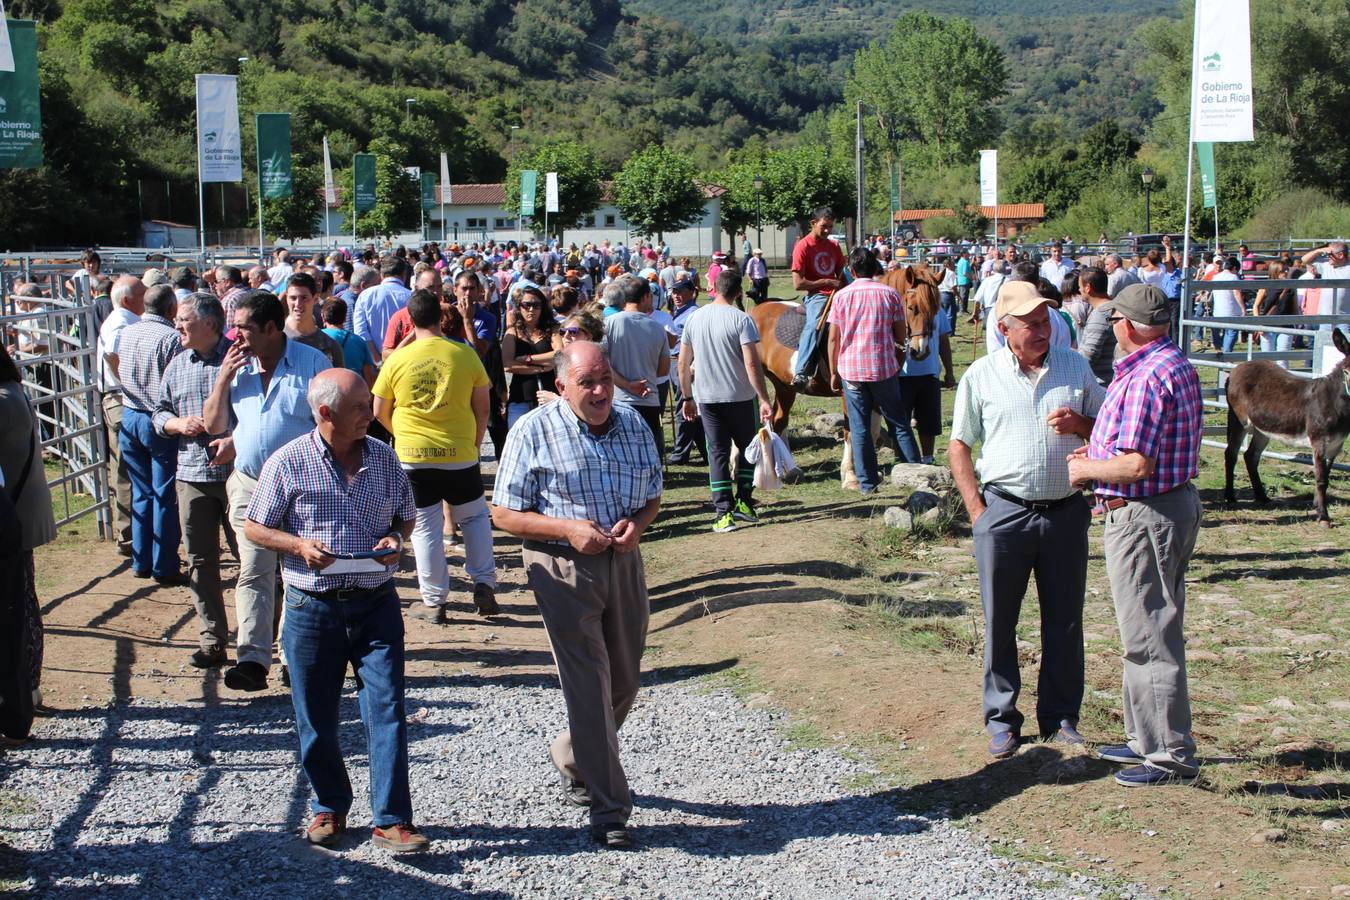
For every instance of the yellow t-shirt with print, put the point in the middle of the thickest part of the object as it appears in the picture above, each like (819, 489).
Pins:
(431, 382)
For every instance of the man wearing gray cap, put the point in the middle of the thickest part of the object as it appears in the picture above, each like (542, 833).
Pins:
(1143, 452)
(1031, 404)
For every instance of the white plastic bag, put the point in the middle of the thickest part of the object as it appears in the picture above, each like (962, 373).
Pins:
(761, 453)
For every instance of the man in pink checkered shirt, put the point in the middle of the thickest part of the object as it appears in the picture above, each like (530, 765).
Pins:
(867, 336)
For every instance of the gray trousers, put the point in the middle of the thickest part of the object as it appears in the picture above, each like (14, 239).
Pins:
(1149, 542)
(1011, 544)
(595, 612)
(204, 512)
(118, 479)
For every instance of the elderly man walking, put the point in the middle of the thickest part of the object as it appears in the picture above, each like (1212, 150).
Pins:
(432, 395)
(259, 397)
(1144, 451)
(1031, 404)
(141, 355)
(580, 481)
(128, 300)
(203, 463)
(335, 494)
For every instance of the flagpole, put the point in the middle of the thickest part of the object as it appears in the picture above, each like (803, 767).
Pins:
(261, 240)
(201, 196)
(1182, 338)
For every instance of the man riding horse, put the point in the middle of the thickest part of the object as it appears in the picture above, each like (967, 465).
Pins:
(817, 271)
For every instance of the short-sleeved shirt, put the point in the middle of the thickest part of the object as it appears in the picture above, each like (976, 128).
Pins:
(816, 258)
(1055, 272)
(263, 422)
(399, 327)
(636, 344)
(324, 343)
(1226, 303)
(1000, 405)
(303, 490)
(963, 271)
(431, 382)
(864, 314)
(1153, 407)
(187, 383)
(554, 465)
(716, 333)
(112, 326)
(1340, 297)
(355, 352)
(931, 365)
(376, 306)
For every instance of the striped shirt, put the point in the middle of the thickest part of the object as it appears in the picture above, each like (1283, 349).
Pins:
(183, 392)
(553, 465)
(1153, 407)
(865, 313)
(999, 404)
(303, 490)
(143, 351)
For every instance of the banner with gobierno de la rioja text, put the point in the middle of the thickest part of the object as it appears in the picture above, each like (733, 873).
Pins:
(21, 102)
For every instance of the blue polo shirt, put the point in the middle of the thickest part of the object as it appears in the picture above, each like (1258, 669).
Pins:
(264, 422)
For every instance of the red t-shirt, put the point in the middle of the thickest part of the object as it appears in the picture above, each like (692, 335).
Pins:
(400, 326)
(816, 258)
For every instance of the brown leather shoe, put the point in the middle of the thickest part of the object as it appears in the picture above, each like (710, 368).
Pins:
(326, 829)
(400, 838)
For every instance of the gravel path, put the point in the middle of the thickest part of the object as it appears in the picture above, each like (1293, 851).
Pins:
(151, 800)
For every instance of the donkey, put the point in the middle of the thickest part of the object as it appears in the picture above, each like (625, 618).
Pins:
(1266, 401)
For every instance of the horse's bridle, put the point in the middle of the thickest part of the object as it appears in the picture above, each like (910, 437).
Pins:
(928, 325)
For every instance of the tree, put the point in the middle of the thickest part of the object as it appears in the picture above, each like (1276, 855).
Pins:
(579, 182)
(656, 192)
(930, 87)
(800, 179)
(297, 216)
(398, 197)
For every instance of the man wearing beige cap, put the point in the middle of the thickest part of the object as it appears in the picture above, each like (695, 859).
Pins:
(1032, 405)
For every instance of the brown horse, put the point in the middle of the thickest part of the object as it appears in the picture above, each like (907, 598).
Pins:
(777, 344)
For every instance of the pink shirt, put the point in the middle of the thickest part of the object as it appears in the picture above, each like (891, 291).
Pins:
(864, 312)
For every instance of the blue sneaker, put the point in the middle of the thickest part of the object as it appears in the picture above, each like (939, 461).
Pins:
(1004, 745)
(1120, 754)
(1152, 776)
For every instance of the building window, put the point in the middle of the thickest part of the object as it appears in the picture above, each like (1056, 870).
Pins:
(590, 221)
(475, 223)
(505, 223)
(609, 221)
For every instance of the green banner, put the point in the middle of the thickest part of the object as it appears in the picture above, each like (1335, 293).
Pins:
(274, 155)
(428, 190)
(20, 106)
(529, 181)
(363, 176)
(895, 190)
(1208, 181)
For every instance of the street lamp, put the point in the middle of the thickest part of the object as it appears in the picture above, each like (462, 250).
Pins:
(407, 107)
(759, 224)
(1146, 177)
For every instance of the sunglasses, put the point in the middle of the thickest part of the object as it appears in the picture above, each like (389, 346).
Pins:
(531, 306)
(570, 332)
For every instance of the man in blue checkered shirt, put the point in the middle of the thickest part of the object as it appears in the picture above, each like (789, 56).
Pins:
(325, 503)
(579, 481)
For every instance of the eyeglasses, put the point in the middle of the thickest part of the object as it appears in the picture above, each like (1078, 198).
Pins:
(531, 306)
(570, 332)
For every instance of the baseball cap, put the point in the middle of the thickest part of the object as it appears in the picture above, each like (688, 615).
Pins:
(1017, 298)
(153, 277)
(684, 284)
(1142, 303)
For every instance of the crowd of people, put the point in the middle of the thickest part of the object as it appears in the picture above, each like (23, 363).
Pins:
(314, 415)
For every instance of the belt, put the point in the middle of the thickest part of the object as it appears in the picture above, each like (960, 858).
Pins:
(344, 594)
(1110, 503)
(1038, 505)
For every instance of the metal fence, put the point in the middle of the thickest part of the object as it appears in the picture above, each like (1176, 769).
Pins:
(1304, 358)
(53, 341)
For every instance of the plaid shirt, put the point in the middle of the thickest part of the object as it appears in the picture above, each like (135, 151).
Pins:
(183, 392)
(864, 313)
(143, 351)
(553, 465)
(302, 490)
(1152, 407)
(230, 300)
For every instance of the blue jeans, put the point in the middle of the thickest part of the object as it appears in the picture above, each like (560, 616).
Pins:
(1230, 337)
(152, 465)
(320, 637)
(806, 346)
(861, 398)
(949, 308)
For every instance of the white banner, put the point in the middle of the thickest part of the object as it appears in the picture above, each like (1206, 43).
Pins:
(329, 188)
(551, 192)
(989, 178)
(445, 180)
(218, 142)
(1221, 72)
(6, 51)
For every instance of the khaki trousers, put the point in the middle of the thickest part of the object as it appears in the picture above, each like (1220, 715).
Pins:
(255, 590)
(1149, 542)
(203, 512)
(118, 480)
(595, 612)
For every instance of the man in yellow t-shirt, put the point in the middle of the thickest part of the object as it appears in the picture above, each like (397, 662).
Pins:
(433, 396)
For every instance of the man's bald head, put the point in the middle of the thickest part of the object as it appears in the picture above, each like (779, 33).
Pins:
(330, 388)
(128, 292)
(256, 277)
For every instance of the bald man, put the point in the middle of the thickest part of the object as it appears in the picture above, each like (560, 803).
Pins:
(579, 481)
(337, 508)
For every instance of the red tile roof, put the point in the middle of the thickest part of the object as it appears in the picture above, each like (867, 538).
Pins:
(1005, 211)
(495, 194)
